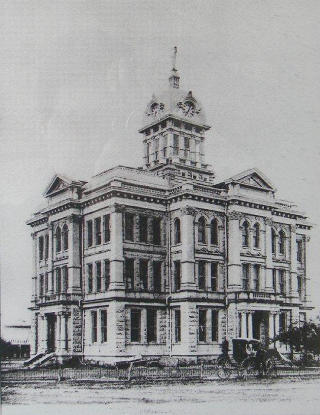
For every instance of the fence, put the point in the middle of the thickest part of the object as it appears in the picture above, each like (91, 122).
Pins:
(205, 372)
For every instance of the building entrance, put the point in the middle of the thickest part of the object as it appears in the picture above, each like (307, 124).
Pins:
(51, 339)
(260, 326)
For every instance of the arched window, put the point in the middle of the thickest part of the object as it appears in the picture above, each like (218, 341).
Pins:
(58, 239)
(177, 231)
(256, 235)
(282, 242)
(245, 234)
(273, 241)
(65, 237)
(202, 231)
(214, 232)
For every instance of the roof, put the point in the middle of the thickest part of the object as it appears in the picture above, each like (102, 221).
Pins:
(16, 334)
(252, 178)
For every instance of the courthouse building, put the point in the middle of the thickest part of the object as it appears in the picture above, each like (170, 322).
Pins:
(161, 259)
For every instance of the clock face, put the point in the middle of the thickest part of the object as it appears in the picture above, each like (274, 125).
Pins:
(155, 109)
(188, 108)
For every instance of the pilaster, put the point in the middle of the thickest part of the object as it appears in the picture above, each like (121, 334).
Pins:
(116, 244)
(188, 248)
(74, 255)
(234, 265)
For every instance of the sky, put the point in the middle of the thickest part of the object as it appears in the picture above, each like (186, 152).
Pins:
(76, 77)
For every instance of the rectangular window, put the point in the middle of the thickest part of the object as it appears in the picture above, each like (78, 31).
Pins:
(97, 227)
(65, 279)
(106, 228)
(129, 273)
(282, 322)
(151, 325)
(214, 325)
(165, 144)
(299, 250)
(41, 248)
(148, 153)
(135, 325)
(46, 249)
(202, 325)
(256, 277)
(104, 324)
(175, 144)
(245, 277)
(157, 276)
(90, 278)
(98, 275)
(143, 228)
(299, 283)
(89, 233)
(94, 332)
(46, 283)
(143, 271)
(106, 274)
(156, 149)
(58, 280)
(186, 147)
(129, 226)
(214, 276)
(41, 286)
(282, 284)
(274, 280)
(156, 228)
(177, 275)
(177, 326)
(202, 275)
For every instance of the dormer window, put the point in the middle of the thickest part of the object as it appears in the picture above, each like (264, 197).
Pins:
(188, 127)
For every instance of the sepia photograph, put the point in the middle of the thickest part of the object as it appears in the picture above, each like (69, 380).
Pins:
(159, 233)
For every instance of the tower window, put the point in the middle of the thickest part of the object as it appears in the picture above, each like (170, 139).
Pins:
(202, 275)
(202, 231)
(245, 277)
(188, 127)
(214, 276)
(177, 123)
(156, 227)
(156, 149)
(177, 231)
(175, 144)
(129, 273)
(129, 226)
(245, 234)
(89, 233)
(156, 128)
(163, 124)
(186, 147)
(148, 153)
(97, 226)
(106, 228)
(177, 275)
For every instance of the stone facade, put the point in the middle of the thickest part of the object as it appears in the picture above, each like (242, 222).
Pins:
(160, 260)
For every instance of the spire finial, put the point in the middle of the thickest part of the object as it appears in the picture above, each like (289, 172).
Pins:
(174, 58)
(174, 77)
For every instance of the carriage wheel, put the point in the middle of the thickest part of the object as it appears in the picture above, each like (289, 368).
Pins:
(247, 369)
(224, 372)
(271, 369)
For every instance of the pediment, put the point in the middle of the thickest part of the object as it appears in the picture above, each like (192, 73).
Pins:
(253, 178)
(57, 184)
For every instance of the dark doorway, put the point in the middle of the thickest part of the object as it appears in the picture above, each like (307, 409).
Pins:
(51, 339)
(260, 326)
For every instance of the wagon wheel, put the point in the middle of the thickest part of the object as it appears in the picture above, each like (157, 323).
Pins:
(224, 372)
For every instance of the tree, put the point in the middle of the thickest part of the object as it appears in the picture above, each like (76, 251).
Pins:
(304, 339)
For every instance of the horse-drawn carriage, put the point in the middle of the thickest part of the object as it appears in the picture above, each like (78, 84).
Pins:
(248, 357)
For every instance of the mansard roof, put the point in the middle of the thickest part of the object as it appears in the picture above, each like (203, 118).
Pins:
(251, 178)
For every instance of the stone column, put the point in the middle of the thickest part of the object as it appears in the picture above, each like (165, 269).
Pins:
(59, 341)
(170, 144)
(50, 260)
(234, 266)
(188, 249)
(116, 244)
(250, 325)
(74, 253)
(221, 241)
(243, 324)
(189, 327)
(271, 325)
(276, 326)
(268, 253)
(44, 333)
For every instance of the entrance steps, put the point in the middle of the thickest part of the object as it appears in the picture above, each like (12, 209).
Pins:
(39, 359)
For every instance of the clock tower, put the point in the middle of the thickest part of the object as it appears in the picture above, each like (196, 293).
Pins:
(174, 133)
